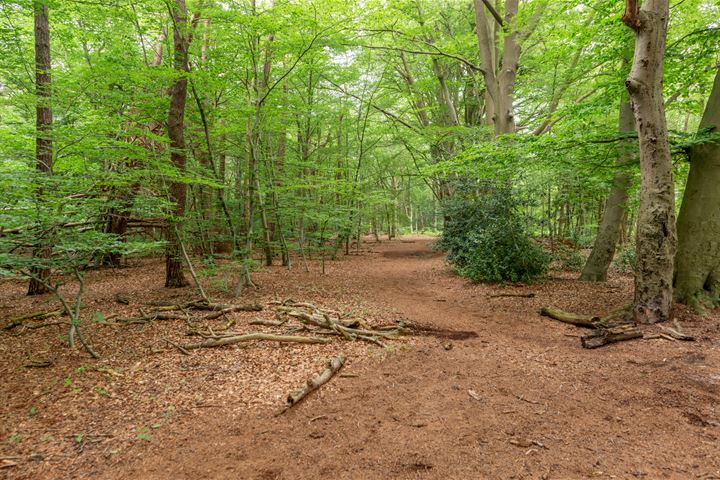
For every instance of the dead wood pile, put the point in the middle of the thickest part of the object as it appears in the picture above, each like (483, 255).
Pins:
(614, 327)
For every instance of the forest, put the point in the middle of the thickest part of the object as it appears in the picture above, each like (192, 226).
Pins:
(462, 239)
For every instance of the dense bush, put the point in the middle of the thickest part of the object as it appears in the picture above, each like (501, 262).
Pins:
(485, 239)
(625, 260)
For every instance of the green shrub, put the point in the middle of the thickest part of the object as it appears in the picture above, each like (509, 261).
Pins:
(484, 237)
(625, 260)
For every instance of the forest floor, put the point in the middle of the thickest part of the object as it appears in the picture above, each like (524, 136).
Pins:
(518, 398)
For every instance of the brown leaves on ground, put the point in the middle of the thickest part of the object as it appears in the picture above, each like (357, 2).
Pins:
(540, 405)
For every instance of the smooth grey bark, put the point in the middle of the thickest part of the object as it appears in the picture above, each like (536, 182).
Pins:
(697, 263)
(656, 235)
(499, 68)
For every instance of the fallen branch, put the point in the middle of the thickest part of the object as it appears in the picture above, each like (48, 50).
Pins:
(179, 347)
(221, 341)
(571, 318)
(17, 321)
(613, 319)
(606, 336)
(230, 309)
(313, 384)
(268, 323)
(677, 332)
(522, 295)
(146, 318)
(330, 323)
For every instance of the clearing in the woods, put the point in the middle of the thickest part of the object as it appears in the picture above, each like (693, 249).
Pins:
(486, 388)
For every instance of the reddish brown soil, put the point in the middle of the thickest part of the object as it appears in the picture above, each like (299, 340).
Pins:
(519, 400)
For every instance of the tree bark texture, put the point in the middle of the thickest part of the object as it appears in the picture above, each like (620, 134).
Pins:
(499, 69)
(697, 263)
(174, 277)
(43, 125)
(656, 236)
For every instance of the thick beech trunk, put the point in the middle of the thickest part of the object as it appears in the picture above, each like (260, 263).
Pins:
(656, 237)
(499, 69)
(697, 263)
(611, 224)
(174, 277)
(43, 123)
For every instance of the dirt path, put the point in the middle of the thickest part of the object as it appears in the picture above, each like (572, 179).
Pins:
(521, 400)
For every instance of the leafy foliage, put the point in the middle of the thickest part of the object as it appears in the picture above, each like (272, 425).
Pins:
(485, 239)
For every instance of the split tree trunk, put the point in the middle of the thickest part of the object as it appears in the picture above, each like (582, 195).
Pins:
(697, 263)
(656, 237)
(499, 68)
(174, 277)
(613, 216)
(43, 135)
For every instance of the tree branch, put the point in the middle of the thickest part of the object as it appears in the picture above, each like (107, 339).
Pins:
(494, 13)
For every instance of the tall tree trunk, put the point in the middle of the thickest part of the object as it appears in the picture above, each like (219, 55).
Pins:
(267, 225)
(203, 153)
(499, 69)
(174, 277)
(656, 237)
(43, 124)
(613, 216)
(697, 263)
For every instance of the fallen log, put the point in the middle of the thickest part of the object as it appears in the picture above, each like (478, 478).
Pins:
(612, 319)
(17, 321)
(606, 336)
(571, 318)
(221, 341)
(313, 384)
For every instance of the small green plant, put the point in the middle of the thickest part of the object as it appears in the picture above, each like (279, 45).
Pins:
(102, 391)
(33, 411)
(143, 433)
(209, 268)
(625, 260)
(14, 438)
(68, 382)
(79, 438)
(221, 284)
